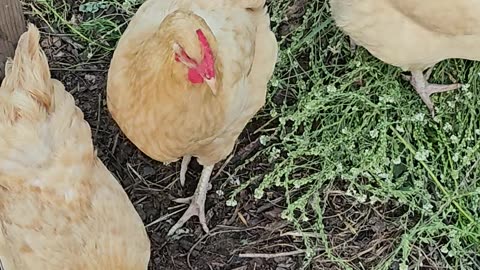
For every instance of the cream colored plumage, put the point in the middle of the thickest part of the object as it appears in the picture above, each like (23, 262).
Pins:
(167, 116)
(413, 34)
(60, 208)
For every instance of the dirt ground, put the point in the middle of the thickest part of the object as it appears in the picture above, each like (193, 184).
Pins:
(252, 226)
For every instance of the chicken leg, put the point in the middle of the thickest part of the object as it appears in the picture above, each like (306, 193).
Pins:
(183, 169)
(425, 89)
(197, 204)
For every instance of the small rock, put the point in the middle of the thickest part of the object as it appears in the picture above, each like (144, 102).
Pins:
(147, 171)
(59, 54)
(90, 78)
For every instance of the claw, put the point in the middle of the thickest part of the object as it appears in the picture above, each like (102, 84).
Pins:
(197, 205)
(425, 89)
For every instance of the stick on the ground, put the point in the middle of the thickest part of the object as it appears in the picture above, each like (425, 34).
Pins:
(271, 255)
(12, 25)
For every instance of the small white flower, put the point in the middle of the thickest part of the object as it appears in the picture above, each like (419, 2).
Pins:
(220, 193)
(397, 161)
(387, 99)
(274, 82)
(231, 203)
(422, 155)
(456, 157)
(465, 86)
(374, 199)
(350, 192)
(454, 139)
(387, 161)
(419, 117)
(374, 133)
(235, 181)
(383, 175)
(331, 89)
(427, 207)
(361, 198)
(451, 104)
(339, 167)
(400, 129)
(258, 194)
(447, 127)
(264, 140)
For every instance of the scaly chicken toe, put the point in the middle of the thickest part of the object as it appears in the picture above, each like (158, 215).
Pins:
(184, 168)
(188, 200)
(425, 89)
(197, 205)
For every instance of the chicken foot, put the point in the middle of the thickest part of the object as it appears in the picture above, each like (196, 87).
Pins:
(197, 204)
(425, 89)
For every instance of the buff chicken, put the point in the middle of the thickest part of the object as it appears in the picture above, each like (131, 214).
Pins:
(413, 34)
(60, 208)
(185, 79)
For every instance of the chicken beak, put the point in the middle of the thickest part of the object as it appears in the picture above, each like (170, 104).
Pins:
(212, 83)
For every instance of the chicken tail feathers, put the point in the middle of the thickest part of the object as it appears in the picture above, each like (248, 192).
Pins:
(27, 77)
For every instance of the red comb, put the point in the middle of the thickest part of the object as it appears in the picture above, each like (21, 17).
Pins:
(208, 61)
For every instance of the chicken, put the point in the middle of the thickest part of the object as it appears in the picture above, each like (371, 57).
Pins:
(60, 208)
(185, 79)
(413, 34)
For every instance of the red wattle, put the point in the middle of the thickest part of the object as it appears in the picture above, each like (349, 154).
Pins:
(194, 77)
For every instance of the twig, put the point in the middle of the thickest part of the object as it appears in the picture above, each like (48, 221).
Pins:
(78, 69)
(467, 175)
(165, 217)
(301, 234)
(99, 114)
(241, 154)
(269, 205)
(115, 142)
(130, 168)
(271, 255)
(245, 151)
(222, 168)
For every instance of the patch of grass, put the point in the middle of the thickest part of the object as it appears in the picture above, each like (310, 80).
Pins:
(351, 118)
(370, 180)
